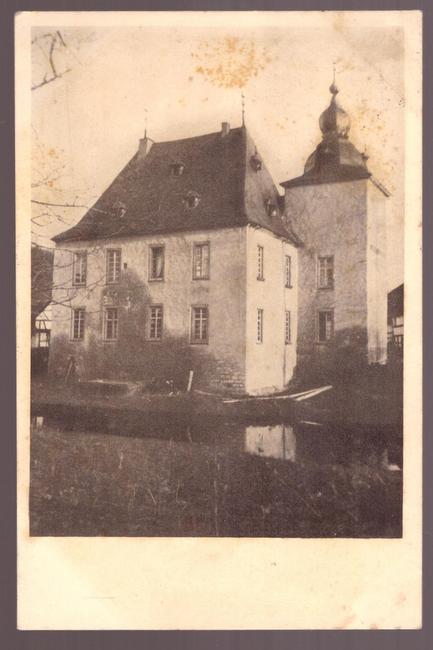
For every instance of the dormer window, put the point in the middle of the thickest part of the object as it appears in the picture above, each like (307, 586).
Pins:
(119, 209)
(176, 169)
(256, 163)
(191, 200)
(271, 208)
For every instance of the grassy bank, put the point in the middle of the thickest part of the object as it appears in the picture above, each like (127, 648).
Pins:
(97, 484)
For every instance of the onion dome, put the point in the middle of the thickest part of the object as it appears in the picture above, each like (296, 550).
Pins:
(335, 158)
(334, 119)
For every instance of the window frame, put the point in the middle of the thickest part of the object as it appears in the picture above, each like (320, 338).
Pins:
(260, 262)
(83, 255)
(326, 340)
(287, 327)
(327, 286)
(195, 246)
(107, 256)
(151, 248)
(149, 323)
(193, 340)
(104, 324)
(82, 327)
(288, 271)
(260, 317)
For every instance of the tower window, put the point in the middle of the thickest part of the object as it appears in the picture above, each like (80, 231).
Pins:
(259, 338)
(325, 272)
(325, 326)
(260, 262)
(287, 328)
(288, 271)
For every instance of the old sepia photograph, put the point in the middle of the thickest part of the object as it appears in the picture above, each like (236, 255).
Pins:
(218, 287)
(217, 283)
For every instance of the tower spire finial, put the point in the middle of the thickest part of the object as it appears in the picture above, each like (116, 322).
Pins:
(333, 87)
(243, 108)
(145, 122)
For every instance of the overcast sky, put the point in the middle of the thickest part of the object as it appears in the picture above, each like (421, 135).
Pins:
(87, 124)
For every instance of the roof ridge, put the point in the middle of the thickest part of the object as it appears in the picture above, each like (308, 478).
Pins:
(195, 137)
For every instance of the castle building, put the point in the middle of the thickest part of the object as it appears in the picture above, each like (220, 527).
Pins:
(192, 260)
(184, 263)
(338, 211)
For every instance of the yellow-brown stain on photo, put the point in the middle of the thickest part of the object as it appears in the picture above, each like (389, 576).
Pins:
(230, 62)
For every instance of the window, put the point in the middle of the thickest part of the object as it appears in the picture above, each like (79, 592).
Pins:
(191, 200)
(113, 265)
(271, 209)
(287, 328)
(325, 325)
(256, 163)
(200, 267)
(260, 261)
(325, 272)
(260, 326)
(156, 263)
(78, 324)
(80, 268)
(111, 324)
(155, 322)
(200, 325)
(43, 339)
(288, 271)
(177, 168)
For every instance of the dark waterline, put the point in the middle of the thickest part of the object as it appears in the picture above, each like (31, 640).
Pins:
(302, 442)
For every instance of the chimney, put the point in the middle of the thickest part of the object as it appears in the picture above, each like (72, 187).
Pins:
(225, 129)
(144, 147)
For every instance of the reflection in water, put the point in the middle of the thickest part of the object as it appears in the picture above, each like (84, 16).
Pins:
(305, 442)
(277, 441)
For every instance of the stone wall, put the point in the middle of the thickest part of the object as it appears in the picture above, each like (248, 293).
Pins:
(270, 364)
(218, 364)
(377, 288)
(331, 219)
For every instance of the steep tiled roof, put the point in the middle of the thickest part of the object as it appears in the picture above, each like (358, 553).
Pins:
(217, 169)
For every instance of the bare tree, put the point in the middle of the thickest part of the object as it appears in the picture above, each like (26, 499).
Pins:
(53, 55)
(50, 44)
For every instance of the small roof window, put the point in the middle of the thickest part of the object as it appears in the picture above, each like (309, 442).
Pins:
(271, 208)
(256, 162)
(176, 168)
(191, 200)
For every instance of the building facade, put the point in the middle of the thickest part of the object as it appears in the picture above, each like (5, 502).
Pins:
(191, 260)
(154, 291)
